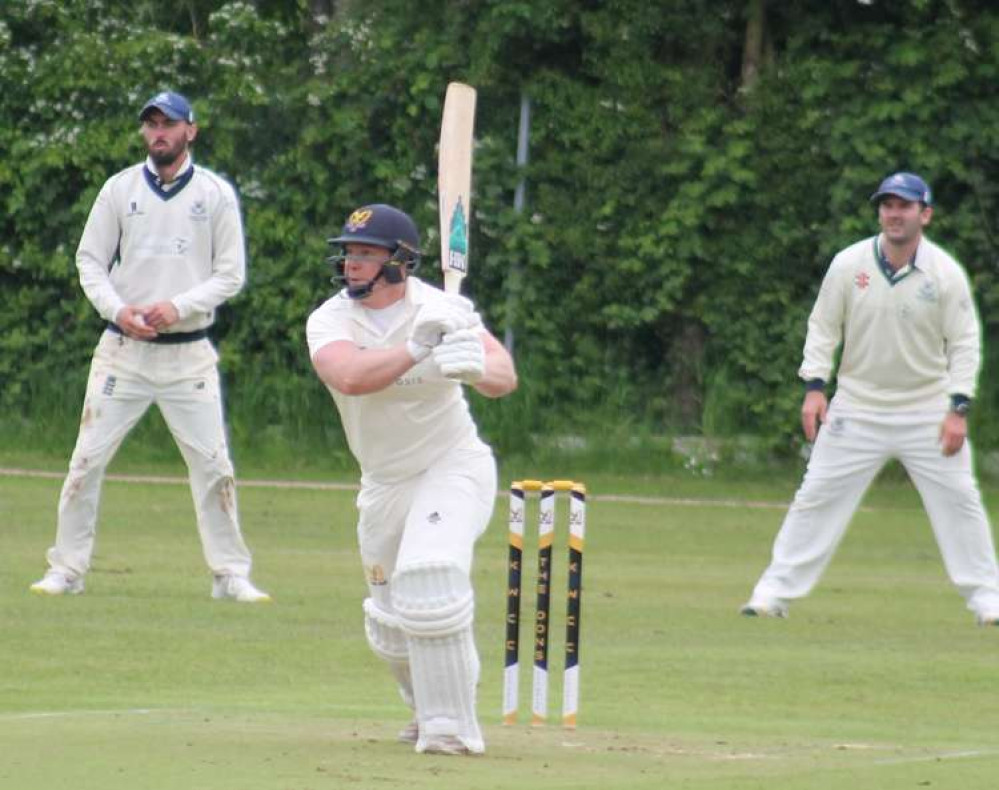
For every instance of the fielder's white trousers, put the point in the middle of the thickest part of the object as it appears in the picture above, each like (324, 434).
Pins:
(850, 450)
(126, 377)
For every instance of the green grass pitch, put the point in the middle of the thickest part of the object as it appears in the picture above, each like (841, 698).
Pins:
(880, 679)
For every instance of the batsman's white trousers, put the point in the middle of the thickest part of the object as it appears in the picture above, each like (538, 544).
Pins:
(851, 448)
(431, 521)
(432, 517)
(126, 377)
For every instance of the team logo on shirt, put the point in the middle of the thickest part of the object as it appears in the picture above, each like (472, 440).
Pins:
(862, 280)
(927, 292)
(434, 518)
(179, 245)
(133, 209)
(199, 212)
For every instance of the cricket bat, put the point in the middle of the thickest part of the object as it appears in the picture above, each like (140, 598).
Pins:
(454, 181)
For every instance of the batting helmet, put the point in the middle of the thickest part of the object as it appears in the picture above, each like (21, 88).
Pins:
(383, 226)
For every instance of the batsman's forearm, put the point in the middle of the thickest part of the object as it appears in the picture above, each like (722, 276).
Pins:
(355, 371)
(500, 376)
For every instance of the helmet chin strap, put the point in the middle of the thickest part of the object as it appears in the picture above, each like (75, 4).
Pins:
(391, 273)
(364, 290)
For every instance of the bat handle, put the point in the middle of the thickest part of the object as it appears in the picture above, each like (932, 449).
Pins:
(452, 282)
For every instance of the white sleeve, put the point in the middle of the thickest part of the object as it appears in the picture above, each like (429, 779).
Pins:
(825, 327)
(327, 325)
(962, 335)
(97, 249)
(228, 259)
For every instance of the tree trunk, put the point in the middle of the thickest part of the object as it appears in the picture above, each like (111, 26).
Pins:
(321, 8)
(752, 51)
(686, 360)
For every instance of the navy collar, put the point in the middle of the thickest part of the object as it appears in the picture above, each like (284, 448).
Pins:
(892, 275)
(176, 186)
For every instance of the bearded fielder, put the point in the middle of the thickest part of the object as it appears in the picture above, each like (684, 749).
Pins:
(394, 353)
(162, 248)
(903, 311)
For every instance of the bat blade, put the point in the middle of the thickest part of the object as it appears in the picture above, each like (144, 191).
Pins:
(454, 181)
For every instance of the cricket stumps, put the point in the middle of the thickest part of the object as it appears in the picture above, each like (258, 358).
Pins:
(542, 615)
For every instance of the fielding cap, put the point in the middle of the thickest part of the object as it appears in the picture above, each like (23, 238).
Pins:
(907, 186)
(172, 105)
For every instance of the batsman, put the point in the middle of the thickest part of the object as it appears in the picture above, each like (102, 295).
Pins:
(394, 353)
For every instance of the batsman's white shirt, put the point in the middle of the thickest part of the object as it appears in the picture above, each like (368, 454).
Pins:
(141, 245)
(404, 429)
(908, 343)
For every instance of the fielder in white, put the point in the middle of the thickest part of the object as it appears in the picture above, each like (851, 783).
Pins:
(903, 311)
(162, 248)
(394, 353)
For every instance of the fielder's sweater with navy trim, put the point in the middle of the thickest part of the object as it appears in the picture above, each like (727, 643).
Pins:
(147, 242)
(909, 341)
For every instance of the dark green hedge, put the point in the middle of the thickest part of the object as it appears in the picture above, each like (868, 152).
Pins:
(678, 216)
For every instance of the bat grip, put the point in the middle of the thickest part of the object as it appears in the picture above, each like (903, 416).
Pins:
(452, 282)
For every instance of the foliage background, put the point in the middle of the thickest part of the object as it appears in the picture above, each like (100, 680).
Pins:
(693, 168)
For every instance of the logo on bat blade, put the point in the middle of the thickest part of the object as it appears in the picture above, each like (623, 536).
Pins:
(458, 240)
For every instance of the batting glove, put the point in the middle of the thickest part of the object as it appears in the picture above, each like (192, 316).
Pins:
(437, 319)
(461, 356)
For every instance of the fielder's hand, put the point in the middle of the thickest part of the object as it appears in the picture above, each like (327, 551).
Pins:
(461, 356)
(437, 319)
(813, 413)
(953, 432)
(131, 321)
(161, 315)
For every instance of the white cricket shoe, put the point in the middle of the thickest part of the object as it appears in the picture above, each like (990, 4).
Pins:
(410, 733)
(447, 744)
(759, 607)
(58, 583)
(237, 588)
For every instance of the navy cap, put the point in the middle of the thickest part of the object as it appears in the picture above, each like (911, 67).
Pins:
(172, 105)
(907, 186)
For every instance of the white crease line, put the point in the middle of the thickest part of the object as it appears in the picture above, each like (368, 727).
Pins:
(308, 485)
(932, 758)
(366, 710)
(170, 480)
(65, 714)
(688, 502)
